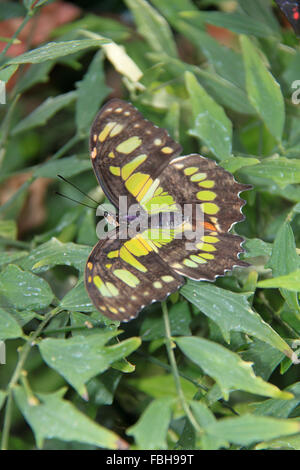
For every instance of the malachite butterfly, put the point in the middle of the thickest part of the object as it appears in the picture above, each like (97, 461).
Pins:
(134, 158)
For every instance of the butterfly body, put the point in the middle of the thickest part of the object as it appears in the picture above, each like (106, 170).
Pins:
(179, 210)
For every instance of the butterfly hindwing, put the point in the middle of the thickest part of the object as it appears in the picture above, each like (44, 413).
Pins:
(206, 259)
(128, 151)
(193, 179)
(123, 276)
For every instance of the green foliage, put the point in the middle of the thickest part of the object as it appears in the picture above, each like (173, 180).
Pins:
(215, 366)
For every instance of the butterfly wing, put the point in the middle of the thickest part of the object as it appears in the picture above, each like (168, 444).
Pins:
(128, 151)
(122, 277)
(291, 9)
(196, 181)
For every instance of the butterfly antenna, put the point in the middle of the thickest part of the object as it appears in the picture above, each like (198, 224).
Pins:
(78, 189)
(74, 200)
(105, 212)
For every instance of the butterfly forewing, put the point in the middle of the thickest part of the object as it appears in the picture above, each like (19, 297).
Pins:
(128, 151)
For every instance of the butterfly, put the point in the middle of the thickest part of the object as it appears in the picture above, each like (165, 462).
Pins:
(132, 157)
(291, 9)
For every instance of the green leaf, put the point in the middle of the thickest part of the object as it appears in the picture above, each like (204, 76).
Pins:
(282, 170)
(279, 408)
(153, 27)
(54, 417)
(9, 257)
(53, 253)
(69, 166)
(264, 357)
(24, 290)
(263, 90)
(108, 27)
(255, 247)
(282, 443)
(285, 261)
(290, 282)
(8, 229)
(91, 92)
(77, 299)
(8, 72)
(37, 73)
(236, 22)
(150, 431)
(11, 10)
(54, 50)
(2, 398)
(80, 358)
(246, 430)
(163, 386)
(179, 316)
(9, 327)
(211, 124)
(234, 164)
(204, 418)
(217, 361)
(232, 312)
(44, 112)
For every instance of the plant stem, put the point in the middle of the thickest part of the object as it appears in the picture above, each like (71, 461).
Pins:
(25, 350)
(16, 34)
(175, 372)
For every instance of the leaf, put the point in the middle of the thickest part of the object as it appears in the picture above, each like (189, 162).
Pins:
(91, 92)
(236, 22)
(80, 358)
(204, 418)
(179, 316)
(2, 398)
(290, 282)
(77, 299)
(153, 27)
(8, 72)
(279, 408)
(255, 247)
(24, 290)
(9, 327)
(282, 170)
(210, 121)
(226, 368)
(54, 417)
(150, 431)
(263, 90)
(232, 312)
(285, 260)
(53, 253)
(122, 62)
(44, 112)
(234, 164)
(246, 430)
(264, 357)
(36, 73)
(54, 50)
(9, 256)
(163, 386)
(11, 10)
(8, 229)
(69, 166)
